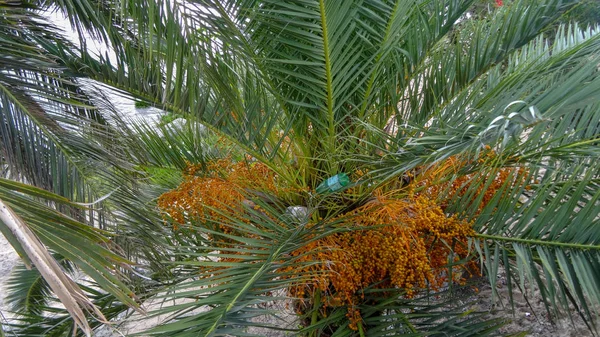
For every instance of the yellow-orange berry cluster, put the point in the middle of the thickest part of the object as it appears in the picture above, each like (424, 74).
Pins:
(443, 180)
(393, 242)
(402, 238)
(215, 192)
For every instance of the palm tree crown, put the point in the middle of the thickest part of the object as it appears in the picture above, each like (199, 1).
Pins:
(468, 131)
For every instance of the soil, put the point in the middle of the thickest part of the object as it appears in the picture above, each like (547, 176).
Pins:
(531, 317)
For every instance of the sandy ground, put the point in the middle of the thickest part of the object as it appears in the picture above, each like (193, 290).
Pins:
(8, 259)
(533, 319)
(529, 317)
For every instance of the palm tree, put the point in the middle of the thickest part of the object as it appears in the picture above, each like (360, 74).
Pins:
(416, 95)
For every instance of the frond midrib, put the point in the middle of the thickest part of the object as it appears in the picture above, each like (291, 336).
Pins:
(329, 87)
(538, 242)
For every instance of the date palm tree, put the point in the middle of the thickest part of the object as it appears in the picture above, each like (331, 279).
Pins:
(309, 89)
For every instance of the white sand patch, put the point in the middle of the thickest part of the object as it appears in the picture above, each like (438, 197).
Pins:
(8, 259)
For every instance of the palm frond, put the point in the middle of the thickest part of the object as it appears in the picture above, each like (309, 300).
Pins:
(28, 292)
(234, 295)
(71, 296)
(546, 232)
(72, 240)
